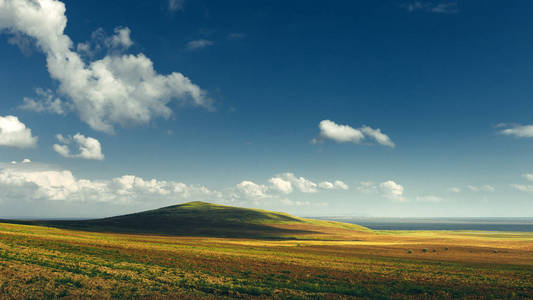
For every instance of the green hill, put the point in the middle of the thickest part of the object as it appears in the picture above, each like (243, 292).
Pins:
(204, 219)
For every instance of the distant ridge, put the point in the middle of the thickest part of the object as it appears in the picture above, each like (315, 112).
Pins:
(212, 213)
(202, 219)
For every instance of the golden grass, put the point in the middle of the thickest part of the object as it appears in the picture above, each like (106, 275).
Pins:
(333, 262)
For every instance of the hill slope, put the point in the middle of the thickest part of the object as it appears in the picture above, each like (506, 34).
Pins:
(205, 219)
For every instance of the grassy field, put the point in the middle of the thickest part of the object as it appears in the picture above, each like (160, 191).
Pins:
(322, 262)
(202, 219)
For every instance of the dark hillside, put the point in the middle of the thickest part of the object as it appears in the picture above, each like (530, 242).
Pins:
(199, 219)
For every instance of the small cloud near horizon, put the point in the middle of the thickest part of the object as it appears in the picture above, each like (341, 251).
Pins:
(175, 5)
(516, 130)
(199, 44)
(236, 36)
(482, 188)
(433, 7)
(347, 134)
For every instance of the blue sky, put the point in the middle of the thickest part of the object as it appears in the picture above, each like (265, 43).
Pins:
(281, 108)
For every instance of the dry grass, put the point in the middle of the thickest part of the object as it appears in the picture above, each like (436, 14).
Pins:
(39, 262)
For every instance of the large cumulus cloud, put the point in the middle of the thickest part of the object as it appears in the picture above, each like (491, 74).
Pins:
(119, 88)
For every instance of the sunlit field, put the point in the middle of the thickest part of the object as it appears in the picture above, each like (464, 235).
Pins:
(41, 262)
(208, 149)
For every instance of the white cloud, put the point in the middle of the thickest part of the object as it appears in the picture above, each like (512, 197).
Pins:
(175, 5)
(286, 182)
(326, 185)
(46, 183)
(199, 44)
(520, 131)
(367, 187)
(337, 185)
(281, 185)
(62, 150)
(288, 202)
(302, 184)
(37, 183)
(236, 36)
(88, 147)
(528, 176)
(14, 133)
(433, 7)
(101, 41)
(378, 136)
(341, 185)
(117, 89)
(339, 133)
(429, 198)
(121, 38)
(445, 8)
(24, 161)
(523, 188)
(474, 188)
(387, 189)
(345, 133)
(251, 190)
(482, 188)
(391, 190)
(47, 102)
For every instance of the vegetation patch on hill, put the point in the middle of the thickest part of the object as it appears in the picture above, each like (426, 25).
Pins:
(205, 219)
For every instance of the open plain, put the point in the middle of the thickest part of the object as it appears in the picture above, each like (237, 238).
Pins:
(308, 259)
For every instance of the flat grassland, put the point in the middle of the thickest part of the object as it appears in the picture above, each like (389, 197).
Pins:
(43, 262)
